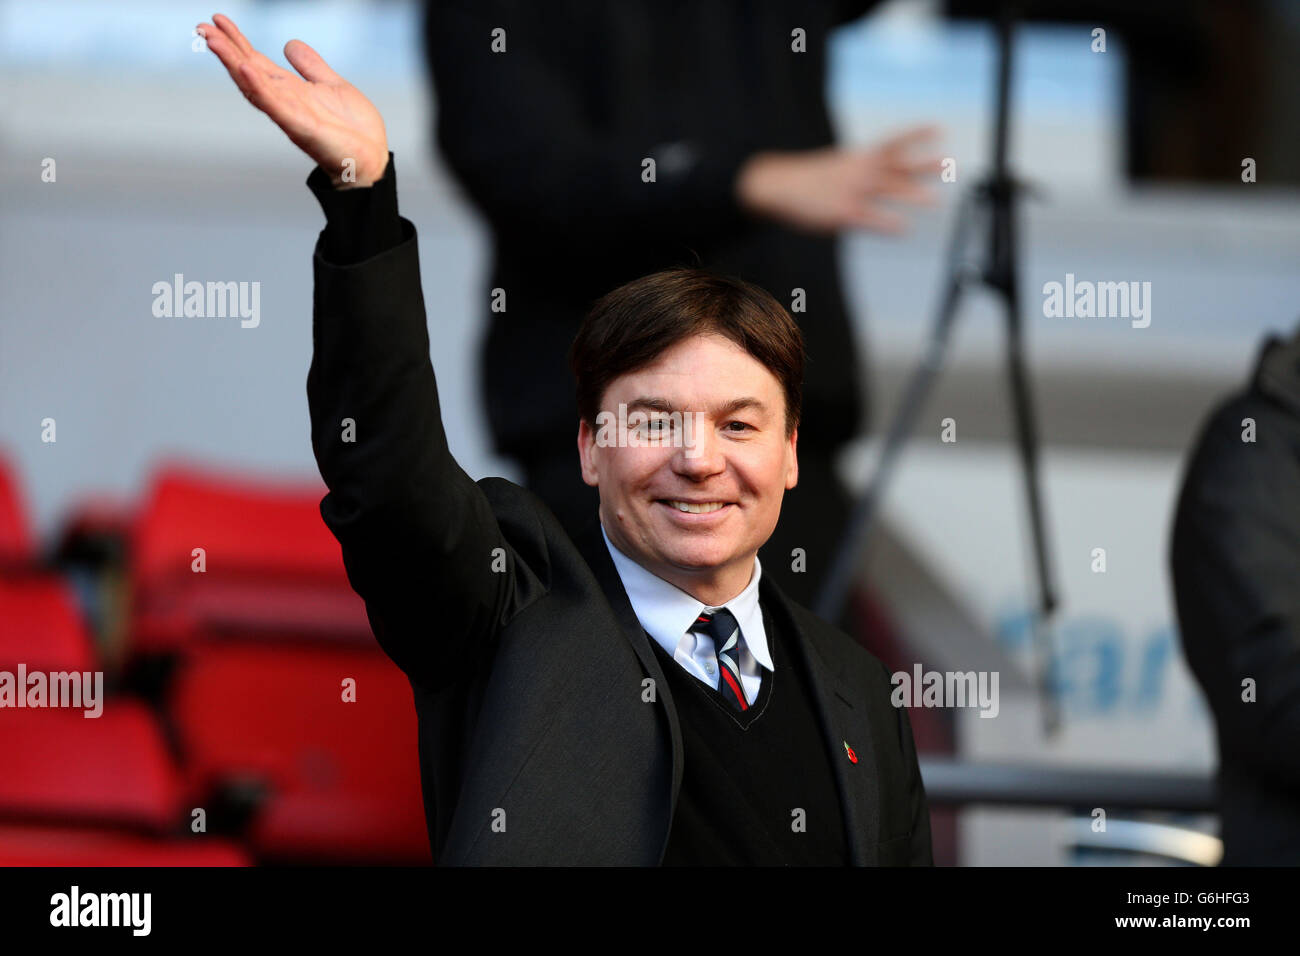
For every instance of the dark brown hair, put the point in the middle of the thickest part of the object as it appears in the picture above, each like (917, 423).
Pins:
(631, 326)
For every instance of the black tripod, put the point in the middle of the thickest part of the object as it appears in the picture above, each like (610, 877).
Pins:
(994, 199)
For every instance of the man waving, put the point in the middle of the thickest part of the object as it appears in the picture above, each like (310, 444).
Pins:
(641, 694)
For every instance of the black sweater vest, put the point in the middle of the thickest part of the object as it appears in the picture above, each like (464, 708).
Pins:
(747, 774)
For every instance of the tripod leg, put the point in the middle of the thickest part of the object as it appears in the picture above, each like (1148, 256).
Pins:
(1002, 276)
(1027, 441)
(835, 589)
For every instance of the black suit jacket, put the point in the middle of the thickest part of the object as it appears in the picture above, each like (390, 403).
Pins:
(529, 667)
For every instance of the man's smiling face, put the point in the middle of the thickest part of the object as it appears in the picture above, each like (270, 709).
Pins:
(695, 515)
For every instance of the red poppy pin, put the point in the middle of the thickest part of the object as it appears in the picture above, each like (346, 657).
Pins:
(853, 758)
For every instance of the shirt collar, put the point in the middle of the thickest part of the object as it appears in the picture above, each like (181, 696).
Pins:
(667, 612)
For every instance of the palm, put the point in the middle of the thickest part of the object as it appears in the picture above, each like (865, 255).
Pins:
(333, 121)
(322, 114)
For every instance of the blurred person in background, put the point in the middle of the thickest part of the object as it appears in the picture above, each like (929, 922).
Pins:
(547, 113)
(1236, 568)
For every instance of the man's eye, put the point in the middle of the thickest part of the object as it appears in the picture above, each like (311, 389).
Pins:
(656, 427)
(743, 425)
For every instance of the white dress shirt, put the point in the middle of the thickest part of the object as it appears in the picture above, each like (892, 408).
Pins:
(667, 612)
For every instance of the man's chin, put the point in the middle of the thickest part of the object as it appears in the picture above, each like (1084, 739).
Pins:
(697, 556)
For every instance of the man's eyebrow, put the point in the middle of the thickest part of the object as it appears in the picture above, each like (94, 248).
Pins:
(657, 404)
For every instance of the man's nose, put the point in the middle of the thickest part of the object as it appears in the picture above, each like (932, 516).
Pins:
(701, 452)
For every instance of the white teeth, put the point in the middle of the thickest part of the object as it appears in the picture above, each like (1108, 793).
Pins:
(697, 509)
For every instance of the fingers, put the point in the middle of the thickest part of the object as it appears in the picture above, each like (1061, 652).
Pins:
(904, 190)
(309, 63)
(228, 35)
(227, 27)
(875, 219)
(893, 151)
(903, 141)
(225, 50)
(933, 165)
(259, 88)
(231, 57)
(878, 172)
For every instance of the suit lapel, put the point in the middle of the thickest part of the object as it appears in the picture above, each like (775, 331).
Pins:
(591, 545)
(842, 722)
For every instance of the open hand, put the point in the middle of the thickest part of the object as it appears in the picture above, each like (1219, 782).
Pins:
(833, 188)
(322, 114)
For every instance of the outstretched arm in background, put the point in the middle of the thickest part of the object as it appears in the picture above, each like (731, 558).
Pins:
(514, 130)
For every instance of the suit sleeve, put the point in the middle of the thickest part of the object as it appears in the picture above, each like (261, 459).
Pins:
(513, 130)
(417, 534)
(359, 223)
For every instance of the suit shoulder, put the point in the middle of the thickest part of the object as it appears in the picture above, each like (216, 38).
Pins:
(532, 533)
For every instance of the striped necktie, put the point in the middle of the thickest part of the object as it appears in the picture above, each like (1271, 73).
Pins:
(721, 625)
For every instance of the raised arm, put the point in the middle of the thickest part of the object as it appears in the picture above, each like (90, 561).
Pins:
(419, 537)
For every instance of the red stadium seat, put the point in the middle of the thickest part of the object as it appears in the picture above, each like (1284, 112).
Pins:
(66, 846)
(15, 539)
(271, 565)
(63, 767)
(341, 779)
(41, 627)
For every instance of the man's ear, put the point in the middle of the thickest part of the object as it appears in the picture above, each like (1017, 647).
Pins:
(792, 476)
(587, 453)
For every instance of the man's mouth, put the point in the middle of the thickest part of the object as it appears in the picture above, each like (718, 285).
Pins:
(694, 507)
